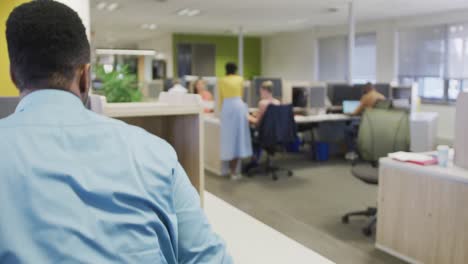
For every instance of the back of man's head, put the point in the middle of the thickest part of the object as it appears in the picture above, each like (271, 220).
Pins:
(47, 44)
(368, 87)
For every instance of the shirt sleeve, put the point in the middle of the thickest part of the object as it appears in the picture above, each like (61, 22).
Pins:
(197, 243)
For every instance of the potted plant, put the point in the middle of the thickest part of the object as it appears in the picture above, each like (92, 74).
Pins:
(118, 86)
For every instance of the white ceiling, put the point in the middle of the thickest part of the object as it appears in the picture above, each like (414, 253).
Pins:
(259, 17)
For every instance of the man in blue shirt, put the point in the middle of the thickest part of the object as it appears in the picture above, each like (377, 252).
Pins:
(76, 187)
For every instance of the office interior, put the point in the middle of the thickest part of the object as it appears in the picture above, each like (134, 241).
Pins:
(319, 55)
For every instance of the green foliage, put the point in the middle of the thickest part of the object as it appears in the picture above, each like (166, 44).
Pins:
(119, 86)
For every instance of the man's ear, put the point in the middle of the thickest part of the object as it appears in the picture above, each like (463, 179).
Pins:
(85, 80)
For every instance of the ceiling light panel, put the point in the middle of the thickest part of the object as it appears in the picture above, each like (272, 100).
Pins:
(188, 12)
(112, 7)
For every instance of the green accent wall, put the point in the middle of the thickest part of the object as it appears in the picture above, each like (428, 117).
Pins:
(226, 51)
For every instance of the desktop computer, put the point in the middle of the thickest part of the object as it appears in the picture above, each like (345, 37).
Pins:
(402, 92)
(350, 106)
(344, 92)
(8, 106)
(384, 88)
(211, 83)
(300, 96)
(317, 97)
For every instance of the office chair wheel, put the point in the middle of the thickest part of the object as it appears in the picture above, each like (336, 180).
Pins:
(290, 173)
(367, 231)
(345, 219)
(275, 177)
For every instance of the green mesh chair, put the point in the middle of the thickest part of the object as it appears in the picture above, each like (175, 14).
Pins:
(381, 132)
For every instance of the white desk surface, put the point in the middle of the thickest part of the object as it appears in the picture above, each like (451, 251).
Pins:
(300, 119)
(249, 241)
(452, 172)
(323, 118)
(148, 109)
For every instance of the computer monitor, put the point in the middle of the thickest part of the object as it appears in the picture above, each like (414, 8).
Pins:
(168, 84)
(8, 106)
(350, 106)
(300, 96)
(383, 88)
(404, 92)
(257, 83)
(344, 92)
(317, 97)
(211, 83)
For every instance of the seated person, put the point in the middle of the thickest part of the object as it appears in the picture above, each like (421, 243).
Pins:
(177, 87)
(369, 99)
(199, 87)
(266, 98)
(78, 187)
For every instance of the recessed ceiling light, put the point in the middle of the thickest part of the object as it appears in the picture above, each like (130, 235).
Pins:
(183, 12)
(188, 12)
(297, 21)
(101, 5)
(149, 26)
(194, 12)
(112, 7)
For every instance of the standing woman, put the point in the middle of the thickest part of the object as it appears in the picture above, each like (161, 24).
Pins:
(235, 134)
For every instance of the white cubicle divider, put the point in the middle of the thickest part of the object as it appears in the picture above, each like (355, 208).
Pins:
(180, 99)
(423, 128)
(461, 131)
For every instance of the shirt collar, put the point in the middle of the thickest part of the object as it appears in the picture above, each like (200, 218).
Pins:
(50, 98)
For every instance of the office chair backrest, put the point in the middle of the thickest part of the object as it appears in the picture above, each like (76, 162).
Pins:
(382, 132)
(8, 105)
(383, 104)
(277, 126)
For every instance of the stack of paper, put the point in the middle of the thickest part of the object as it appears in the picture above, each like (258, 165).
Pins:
(416, 158)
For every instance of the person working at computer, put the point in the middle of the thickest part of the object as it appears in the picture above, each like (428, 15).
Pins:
(235, 133)
(266, 98)
(199, 87)
(78, 187)
(370, 98)
(177, 87)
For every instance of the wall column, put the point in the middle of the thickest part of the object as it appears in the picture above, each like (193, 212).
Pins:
(241, 51)
(83, 10)
(351, 40)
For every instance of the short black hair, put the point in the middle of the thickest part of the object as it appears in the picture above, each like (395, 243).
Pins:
(231, 68)
(47, 43)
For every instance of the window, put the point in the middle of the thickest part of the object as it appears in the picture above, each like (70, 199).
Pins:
(364, 59)
(436, 58)
(333, 58)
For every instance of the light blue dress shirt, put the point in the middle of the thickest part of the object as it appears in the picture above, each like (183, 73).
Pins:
(77, 187)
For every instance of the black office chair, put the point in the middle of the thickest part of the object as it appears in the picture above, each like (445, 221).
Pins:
(381, 132)
(276, 130)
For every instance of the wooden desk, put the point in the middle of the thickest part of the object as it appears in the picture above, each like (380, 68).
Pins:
(179, 125)
(249, 241)
(422, 212)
